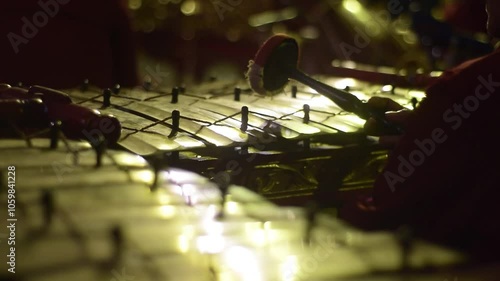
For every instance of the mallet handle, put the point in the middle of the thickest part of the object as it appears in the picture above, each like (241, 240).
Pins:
(345, 100)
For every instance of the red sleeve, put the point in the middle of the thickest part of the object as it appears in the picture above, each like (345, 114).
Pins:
(432, 172)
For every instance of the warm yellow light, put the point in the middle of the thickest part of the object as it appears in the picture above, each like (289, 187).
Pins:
(134, 4)
(244, 263)
(164, 199)
(129, 160)
(352, 6)
(183, 244)
(387, 88)
(189, 7)
(167, 211)
(289, 268)
(210, 244)
(144, 176)
(233, 208)
(345, 82)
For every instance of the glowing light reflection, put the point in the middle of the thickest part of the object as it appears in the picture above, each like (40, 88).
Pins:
(289, 268)
(343, 83)
(244, 262)
(189, 7)
(210, 244)
(183, 244)
(144, 176)
(129, 160)
(352, 6)
(167, 211)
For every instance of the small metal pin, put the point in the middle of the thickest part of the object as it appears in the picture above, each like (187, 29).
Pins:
(307, 110)
(85, 85)
(237, 93)
(55, 129)
(116, 89)
(147, 85)
(244, 118)
(176, 116)
(414, 102)
(175, 95)
(294, 91)
(106, 98)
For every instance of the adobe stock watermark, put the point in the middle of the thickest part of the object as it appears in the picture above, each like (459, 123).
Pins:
(234, 168)
(380, 20)
(223, 6)
(105, 127)
(121, 276)
(30, 28)
(307, 265)
(155, 77)
(453, 117)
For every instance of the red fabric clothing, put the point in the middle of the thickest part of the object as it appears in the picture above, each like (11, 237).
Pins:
(452, 194)
(467, 15)
(68, 41)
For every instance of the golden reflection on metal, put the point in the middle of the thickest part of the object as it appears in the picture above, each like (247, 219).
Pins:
(188, 142)
(230, 133)
(129, 160)
(354, 120)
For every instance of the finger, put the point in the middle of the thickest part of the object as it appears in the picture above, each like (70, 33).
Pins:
(384, 104)
(389, 141)
(371, 127)
(398, 117)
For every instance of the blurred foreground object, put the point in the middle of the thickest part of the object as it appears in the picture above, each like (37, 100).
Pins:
(59, 43)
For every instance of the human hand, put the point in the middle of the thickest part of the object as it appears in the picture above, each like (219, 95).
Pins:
(394, 113)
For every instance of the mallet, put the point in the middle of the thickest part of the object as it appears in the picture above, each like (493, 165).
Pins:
(276, 62)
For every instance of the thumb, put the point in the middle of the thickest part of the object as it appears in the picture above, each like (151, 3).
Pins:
(398, 117)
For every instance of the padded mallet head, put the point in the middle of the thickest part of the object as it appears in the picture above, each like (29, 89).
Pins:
(269, 71)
